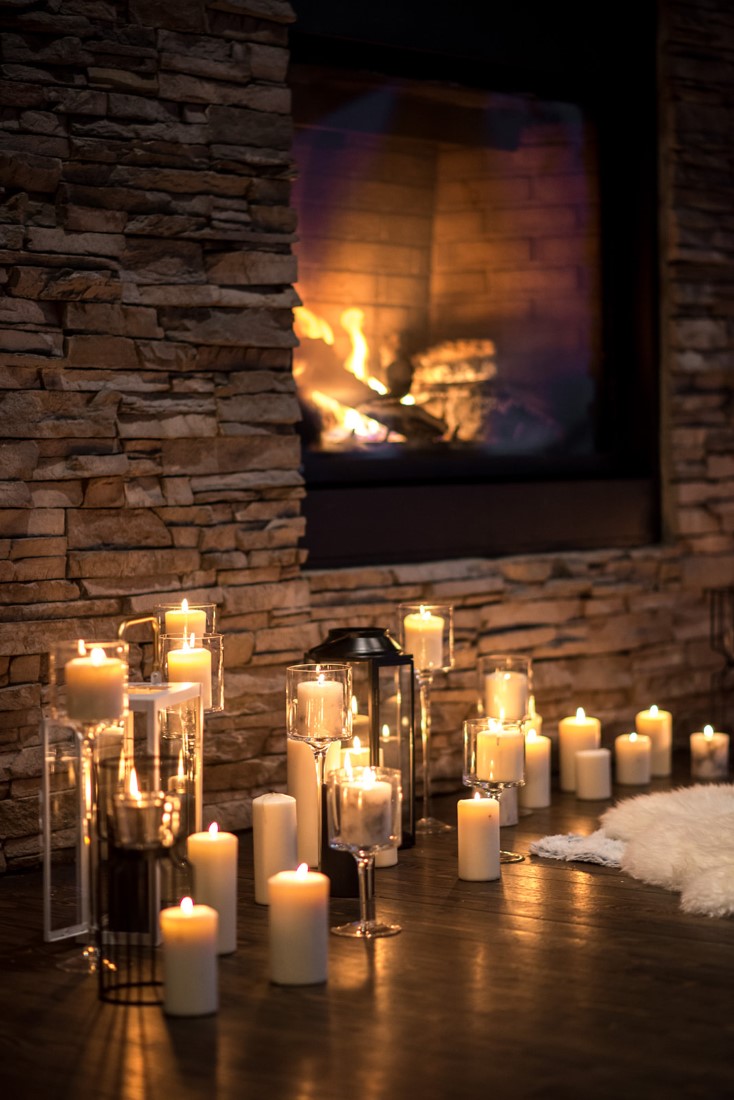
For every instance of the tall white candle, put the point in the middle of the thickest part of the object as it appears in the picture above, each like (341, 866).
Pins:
(365, 817)
(500, 756)
(535, 794)
(95, 686)
(709, 754)
(192, 664)
(574, 734)
(320, 714)
(184, 620)
(594, 774)
(301, 769)
(213, 856)
(478, 834)
(274, 839)
(506, 695)
(632, 757)
(423, 633)
(298, 923)
(190, 980)
(658, 725)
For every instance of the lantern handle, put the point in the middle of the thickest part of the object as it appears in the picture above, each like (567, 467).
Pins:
(156, 672)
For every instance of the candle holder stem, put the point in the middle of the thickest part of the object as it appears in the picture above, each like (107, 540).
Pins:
(367, 927)
(496, 792)
(319, 751)
(427, 824)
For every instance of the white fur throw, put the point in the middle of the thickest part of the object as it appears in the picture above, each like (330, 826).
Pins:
(682, 840)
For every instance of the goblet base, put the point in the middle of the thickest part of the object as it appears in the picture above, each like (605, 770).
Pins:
(366, 930)
(85, 960)
(431, 826)
(511, 857)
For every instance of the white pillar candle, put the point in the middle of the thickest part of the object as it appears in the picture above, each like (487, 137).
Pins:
(320, 713)
(298, 923)
(365, 812)
(594, 774)
(478, 834)
(189, 934)
(509, 810)
(535, 794)
(506, 695)
(192, 664)
(95, 686)
(274, 839)
(709, 754)
(500, 756)
(213, 856)
(387, 857)
(574, 734)
(357, 753)
(423, 633)
(301, 769)
(632, 759)
(184, 620)
(658, 726)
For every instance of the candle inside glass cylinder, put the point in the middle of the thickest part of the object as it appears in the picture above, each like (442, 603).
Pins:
(192, 664)
(365, 818)
(320, 709)
(95, 686)
(180, 622)
(424, 639)
(500, 756)
(506, 695)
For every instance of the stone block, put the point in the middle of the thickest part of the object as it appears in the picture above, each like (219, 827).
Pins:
(110, 528)
(28, 522)
(221, 456)
(251, 268)
(27, 172)
(121, 563)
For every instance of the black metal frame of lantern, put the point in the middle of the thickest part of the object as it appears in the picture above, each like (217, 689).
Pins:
(384, 674)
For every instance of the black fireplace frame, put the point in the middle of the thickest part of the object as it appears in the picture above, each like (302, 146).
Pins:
(359, 511)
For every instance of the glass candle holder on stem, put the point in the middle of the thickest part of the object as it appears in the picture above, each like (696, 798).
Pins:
(427, 632)
(506, 686)
(494, 761)
(197, 660)
(318, 712)
(363, 811)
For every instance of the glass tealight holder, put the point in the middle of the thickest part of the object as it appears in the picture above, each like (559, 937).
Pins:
(505, 686)
(89, 683)
(187, 617)
(196, 660)
(494, 760)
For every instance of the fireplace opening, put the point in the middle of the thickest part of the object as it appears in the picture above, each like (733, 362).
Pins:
(476, 338)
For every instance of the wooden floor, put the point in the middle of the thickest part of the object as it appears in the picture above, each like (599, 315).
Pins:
(560, 981)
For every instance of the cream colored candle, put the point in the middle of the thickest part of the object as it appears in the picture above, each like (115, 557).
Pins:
(535, 720)
(320, 713)
(506, 695)
(298, 925)
(185, 620)
(478, 834)
(594, 774)
(574, 734)
(658, 726)
(500, 756)
(358, 754)
(365, 812)
(423, 633)
(190, 979)
(632, 759)
(709, 754)
(95, 686)
(274, 839)
(192, 664)
(301, 771)
(535, 794)
(213, 856)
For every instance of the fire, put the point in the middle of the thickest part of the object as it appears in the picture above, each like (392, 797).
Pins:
(308, 323)
(352, 320)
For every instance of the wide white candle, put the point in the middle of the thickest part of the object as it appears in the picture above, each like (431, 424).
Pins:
(192, 664)
(535, 794)
(632, 759)
(658, 726)
(320, 709)
(298, 923)
(213, 856)
(301, 770)
(95, 686)
(274, 839)
(478, 834)
(500, 756)
(709, 754)
(575, 733)
(365, 816)
(189, 934)
(506, 695)
(184, 620)
(594, 774)
(423, 633)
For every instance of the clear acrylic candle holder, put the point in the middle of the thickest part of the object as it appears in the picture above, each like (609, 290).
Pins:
(89, 683)
(187, 617)
(494, 760)
(505, 686)
(197, 660)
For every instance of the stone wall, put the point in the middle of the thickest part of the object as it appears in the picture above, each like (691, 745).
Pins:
(148, 409)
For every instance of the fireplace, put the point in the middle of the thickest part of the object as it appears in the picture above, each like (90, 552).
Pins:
(476, 360)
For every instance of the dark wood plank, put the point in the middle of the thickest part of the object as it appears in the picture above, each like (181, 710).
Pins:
(560, 981)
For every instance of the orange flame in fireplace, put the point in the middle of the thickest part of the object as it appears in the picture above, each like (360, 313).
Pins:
(351, 320)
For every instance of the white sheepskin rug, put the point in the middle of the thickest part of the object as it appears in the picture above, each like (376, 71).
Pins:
(682, 840)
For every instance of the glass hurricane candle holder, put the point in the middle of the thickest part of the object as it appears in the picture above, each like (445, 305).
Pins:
(363, 813)
(196, 660)
(427, 632)
(506, 686)
(318, 697)
(184, 618)
(494, 760)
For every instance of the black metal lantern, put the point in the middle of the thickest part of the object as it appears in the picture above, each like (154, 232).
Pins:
(382, 707)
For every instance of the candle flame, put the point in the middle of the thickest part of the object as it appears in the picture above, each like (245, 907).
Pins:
(580, 714)
(653, 711)
(355, 705)
(132, 784)
(97, 656)
(531, 706)
(385, 732)
(185, 606)
(187, 905)
(708, 732)
(356, 743)
(302, 870)
(348, 764)
(81, 648)
(213, 829)
(477, 795)
(633, 736)
(532, 734)
(181, 774)
(368, 778)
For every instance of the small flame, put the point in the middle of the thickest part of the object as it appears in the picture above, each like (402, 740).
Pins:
(181, 774)
(213, 829)
(477, 795)
(310, 325)
(633, 736)
(302, 870)
(368, 778)
(185, 606)
(132, 784)
(653, 711)
(355, 705)
(97, 656)
(708, 732)
(532, 734)
(580, 714)
(81, 648)
(187, 905)
(385, 732)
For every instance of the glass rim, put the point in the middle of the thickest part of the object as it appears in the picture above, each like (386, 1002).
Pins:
(323, 666)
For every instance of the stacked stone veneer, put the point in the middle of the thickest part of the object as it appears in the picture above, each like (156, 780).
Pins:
(148, 408)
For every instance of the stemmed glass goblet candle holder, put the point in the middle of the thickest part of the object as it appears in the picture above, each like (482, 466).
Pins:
(319, 712)
(363, 813)
(494, 760)
(89, 693)
(427, 632)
